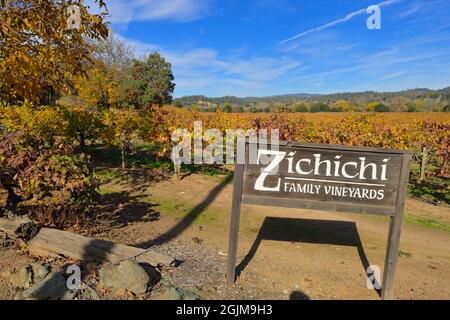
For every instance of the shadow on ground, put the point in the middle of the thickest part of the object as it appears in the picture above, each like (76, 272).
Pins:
(189, 218)
(342, 233)
(298, 295)
(117, 209)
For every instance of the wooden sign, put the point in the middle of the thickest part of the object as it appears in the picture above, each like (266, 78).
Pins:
(323, 177)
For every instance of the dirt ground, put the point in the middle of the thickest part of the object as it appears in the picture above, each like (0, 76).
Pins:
(282, 254)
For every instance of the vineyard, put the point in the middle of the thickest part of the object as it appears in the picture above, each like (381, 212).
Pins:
(155, 126)
(59, 137)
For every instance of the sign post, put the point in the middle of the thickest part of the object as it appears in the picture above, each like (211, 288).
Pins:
(323, 177)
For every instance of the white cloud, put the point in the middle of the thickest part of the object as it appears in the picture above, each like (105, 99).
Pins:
(330, 24)
(123, 12)
(415, 7)
(394, 75)
(204, 69)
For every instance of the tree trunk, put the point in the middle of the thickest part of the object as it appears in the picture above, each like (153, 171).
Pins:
(443, 171)
(123, 147)
(12, 201)
(177, 169)
(423, 164)
(81, 140)
(123, 157)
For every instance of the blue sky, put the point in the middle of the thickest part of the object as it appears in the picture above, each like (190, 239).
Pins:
(268, 47)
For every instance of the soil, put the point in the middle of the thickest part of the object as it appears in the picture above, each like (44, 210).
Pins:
(282, 254)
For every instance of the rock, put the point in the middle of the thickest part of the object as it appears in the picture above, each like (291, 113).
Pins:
(39, 271)
(25, 276)
(22, 277)
(53, 286)
(5, 241)
(174, 293)
(18, 296)
(127, 275)
(19, 227)
(152, 272)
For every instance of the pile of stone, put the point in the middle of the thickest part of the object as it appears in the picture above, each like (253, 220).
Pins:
(135, 272)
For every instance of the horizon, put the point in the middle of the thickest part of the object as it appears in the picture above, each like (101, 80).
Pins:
(313, 94)
(268, 47)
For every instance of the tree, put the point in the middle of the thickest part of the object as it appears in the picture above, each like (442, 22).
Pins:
(300, 108)
(100, 85)
(320, 107)
(83, 123)
(178, 104)
(122, 127)
(411, 107)
(31, 169)
(374, 106)
(114, 53)
(227, 108)
(382, 108)
(344, 105)
(150, 82)
(38, 52)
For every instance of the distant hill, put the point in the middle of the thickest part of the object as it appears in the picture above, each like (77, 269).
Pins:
(431, 97)
(189, 100)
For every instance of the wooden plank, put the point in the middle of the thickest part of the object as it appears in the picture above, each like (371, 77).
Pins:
(329, 192)
(234, 223)
(53, 242)
(317, 205)
(341, 178)
(331, 146)
(393, 242)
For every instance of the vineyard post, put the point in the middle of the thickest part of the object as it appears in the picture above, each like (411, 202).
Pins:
(393, 242)
(423, 163)
(123, 149)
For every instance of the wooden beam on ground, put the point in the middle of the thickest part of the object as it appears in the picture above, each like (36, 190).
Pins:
(57, 243)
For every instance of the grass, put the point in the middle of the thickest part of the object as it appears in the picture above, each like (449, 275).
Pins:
(426, 222)
(412, 219)
(104, 174)
(144, 156)
(405, 254)
(178, 209)
(104, 191)
(433, 190)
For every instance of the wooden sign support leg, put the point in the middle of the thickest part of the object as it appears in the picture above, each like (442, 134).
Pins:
(390, 263)
(234, 224)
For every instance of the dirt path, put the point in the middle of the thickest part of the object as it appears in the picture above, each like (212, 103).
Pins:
(283, 253)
